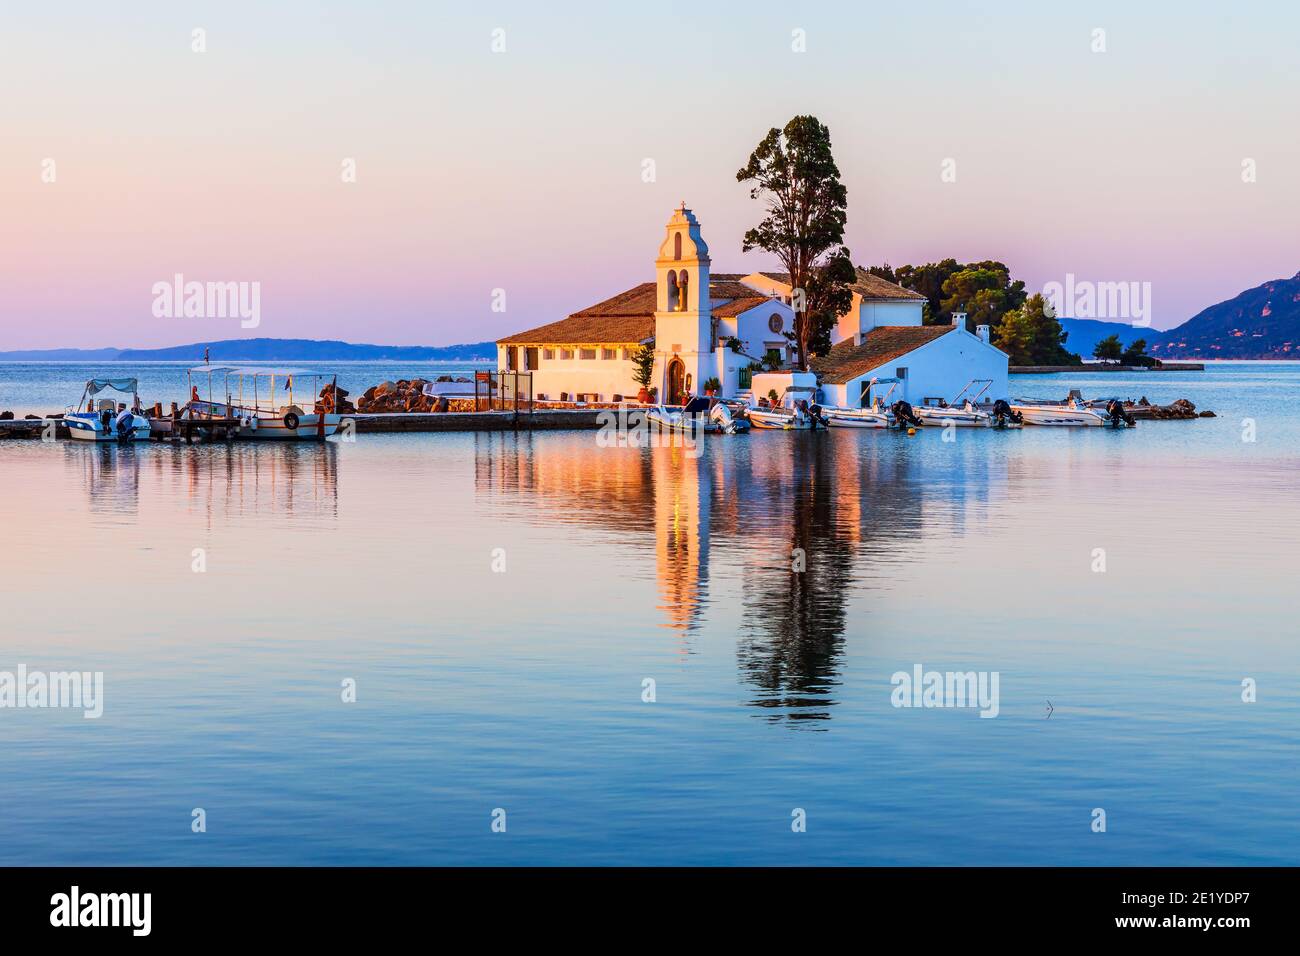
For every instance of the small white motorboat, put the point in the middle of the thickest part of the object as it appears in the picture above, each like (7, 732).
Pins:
(261, 400)
(785, 419)
(699, 414)
(855, 417)
(965, 411)
(1069, 413)
(92, 420)
(874, 415)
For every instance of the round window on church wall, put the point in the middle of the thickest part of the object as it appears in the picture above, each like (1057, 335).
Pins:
(775, 323)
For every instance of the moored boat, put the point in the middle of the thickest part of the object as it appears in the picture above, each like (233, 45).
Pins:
(965, 411)
(699, 414)
(1068, 414)
(97, 420)
(855, 417)
(259, 402)
(782, 419)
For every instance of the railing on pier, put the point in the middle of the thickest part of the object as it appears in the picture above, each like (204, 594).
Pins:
(503, 391)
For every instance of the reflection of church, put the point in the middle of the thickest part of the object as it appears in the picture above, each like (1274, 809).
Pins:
(709, 326)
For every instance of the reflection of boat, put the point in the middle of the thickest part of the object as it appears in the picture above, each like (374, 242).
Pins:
(249, 394)
(97, 421)
(697, 415)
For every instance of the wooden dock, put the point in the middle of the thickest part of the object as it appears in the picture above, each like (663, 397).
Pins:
(223, 429)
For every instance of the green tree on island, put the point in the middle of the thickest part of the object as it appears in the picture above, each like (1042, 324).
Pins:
(794, 171)
(1031, 335)
(1136, 354)
(983, 290)
(1109, 349)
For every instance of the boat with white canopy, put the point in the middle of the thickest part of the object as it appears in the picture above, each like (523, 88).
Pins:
(264, 401)
(96, 419)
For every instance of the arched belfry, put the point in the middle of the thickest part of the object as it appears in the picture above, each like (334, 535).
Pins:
(683, 316)
(682, 269)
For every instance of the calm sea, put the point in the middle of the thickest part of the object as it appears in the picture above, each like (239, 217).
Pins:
(502, 601)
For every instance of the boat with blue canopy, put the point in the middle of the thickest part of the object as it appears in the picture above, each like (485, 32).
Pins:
(97, 419)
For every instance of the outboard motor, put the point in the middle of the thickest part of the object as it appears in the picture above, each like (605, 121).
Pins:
(903, 414)
(1118, 416)
(721, 414)
(1004, 414)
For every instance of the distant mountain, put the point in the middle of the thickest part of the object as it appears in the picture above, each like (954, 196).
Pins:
(1260, 323)
(61, 355)
(1086, 333)
(266, 350)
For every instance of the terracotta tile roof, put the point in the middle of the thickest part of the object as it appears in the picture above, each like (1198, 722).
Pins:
(733, 308)
(883, 344)
(871, 286)
(625, 319)
(628, 318)
(868, 285)
(727, 288)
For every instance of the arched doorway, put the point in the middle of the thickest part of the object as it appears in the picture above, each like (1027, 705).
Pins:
(676, 382)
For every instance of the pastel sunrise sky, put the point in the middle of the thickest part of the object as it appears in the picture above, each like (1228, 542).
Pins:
(522, 170)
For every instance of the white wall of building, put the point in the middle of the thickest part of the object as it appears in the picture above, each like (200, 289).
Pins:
(575, 375)
(938, 369)
(781, 383)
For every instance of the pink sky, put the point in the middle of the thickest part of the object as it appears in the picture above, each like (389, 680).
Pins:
(521, 170)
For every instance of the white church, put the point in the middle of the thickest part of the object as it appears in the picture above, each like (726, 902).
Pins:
(708, 326)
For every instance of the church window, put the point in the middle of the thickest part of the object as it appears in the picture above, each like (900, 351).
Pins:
(566, 354)
(685, 287)
(587, 354)
(677, 245)
(548, 354)
(608, 354)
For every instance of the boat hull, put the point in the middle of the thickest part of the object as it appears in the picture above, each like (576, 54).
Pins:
(778, 422)
(854, 418)
(694, 424)
(265, 426)
(91, 428)
(1061, 416)
(274, 429)
(955, 416)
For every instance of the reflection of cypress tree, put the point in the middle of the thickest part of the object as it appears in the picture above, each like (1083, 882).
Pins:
(794, 642)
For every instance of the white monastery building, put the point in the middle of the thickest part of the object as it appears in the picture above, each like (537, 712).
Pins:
(708, 326)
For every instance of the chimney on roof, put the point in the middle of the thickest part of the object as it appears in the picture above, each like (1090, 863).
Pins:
(959, 320)
(983, 332)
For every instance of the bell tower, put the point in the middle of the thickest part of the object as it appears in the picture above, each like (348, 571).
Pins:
(683, 315)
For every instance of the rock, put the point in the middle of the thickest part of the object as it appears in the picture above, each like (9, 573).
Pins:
(6, 416)
(32, 418)
(1208, 414)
